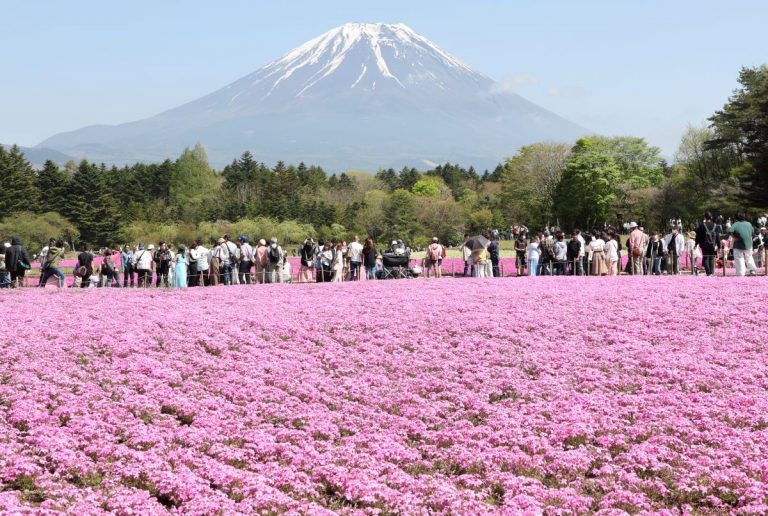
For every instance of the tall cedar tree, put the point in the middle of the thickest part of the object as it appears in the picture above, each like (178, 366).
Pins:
(52, 182)
(18, 188)
(91, 206)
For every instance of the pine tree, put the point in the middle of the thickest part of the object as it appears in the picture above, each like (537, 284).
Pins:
(18, 186)
(52, 182)
(91, 205)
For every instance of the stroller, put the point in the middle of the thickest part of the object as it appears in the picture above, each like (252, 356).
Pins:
(395, 265)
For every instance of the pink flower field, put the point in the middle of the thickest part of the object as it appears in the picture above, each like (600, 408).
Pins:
(535, 395)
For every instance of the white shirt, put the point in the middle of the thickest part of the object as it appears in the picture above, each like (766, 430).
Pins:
(202, 258)
(143, 259)
(356, 252)
(597, 244)
(533, 251)
(583, 245)
(612, 251)
(246, 251)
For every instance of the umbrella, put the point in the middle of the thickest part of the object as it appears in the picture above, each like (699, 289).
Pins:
(477, 242)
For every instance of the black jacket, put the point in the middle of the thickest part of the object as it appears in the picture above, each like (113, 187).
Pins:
(493, 252)
(17, 252)
(701, 236)
(574, 247)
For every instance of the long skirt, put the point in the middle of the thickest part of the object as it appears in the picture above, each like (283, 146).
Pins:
(599, 266)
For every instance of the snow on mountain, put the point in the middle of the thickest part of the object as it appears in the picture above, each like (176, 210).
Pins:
(359, 95)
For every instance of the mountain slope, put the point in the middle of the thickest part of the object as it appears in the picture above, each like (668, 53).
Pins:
(360, 95)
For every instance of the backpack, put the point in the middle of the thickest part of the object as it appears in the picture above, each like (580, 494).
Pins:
(274, 254)
(434, 252)
(710, 235)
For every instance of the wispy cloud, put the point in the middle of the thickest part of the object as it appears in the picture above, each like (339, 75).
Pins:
(513, 83)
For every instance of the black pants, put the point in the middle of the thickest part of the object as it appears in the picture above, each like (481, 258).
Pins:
(162, 275)
(86, 281)
(17, 278)
(708, 260)
(244, 270)
(128, 275)
(144, 278)
(495, 268)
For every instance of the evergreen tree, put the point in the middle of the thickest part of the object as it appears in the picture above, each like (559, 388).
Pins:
(18, 185)
(91, 206)
(52, 183)
(742, 127)
(400, 216)
(408, 178)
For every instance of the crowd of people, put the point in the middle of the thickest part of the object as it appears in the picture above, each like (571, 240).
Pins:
(713, 243)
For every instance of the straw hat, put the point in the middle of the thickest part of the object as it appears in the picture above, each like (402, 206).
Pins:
(691, 234)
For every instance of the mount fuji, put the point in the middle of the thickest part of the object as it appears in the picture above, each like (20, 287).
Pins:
(361, 95)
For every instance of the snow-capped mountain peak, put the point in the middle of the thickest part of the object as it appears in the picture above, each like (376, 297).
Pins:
(366, 59)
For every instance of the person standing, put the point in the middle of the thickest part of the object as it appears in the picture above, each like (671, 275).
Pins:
(274, 261)
(675, 249)
(611, 254)
(142, 263)
(203, 264)
(493, 255)
(180, 269)
(193, 277)
(230, 266)
(246, 260)
(599, 267)
(17, 262)
(573, 253)
(50, 266)
(162, 260)
(369, 259)
(126, 263)
(466, 254)
(741, 233)
(85, 261)
(707, 238)
(337, 266)
(260, 261)
(636, 248)
(355, 250)
(434, 252)
(533, 256)
(307, 257)
(561, 255)
(5, 276)
(520, 249)
(216, 261)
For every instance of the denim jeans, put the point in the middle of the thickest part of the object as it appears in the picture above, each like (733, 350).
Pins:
(48, 273)
(533, 265)
(354, 270)
(226, 273)
(5, 280)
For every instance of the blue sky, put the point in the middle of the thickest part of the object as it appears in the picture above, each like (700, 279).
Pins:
(643, 67)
